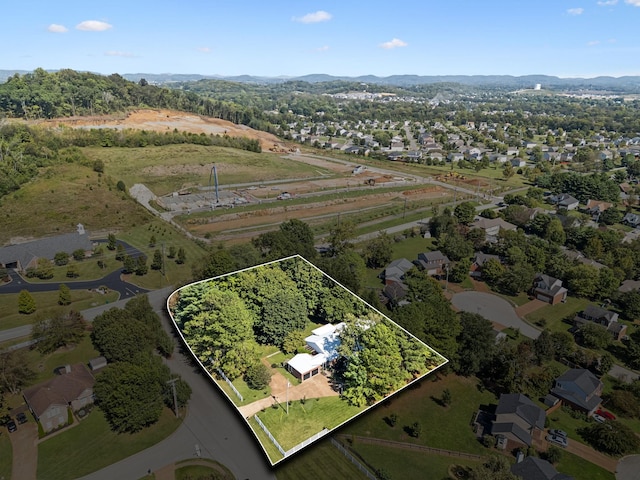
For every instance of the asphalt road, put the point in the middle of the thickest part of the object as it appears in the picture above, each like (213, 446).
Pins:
(493, 308)
(212, 426)
(628, 468)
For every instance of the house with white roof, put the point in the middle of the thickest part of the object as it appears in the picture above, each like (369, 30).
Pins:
(323, 343)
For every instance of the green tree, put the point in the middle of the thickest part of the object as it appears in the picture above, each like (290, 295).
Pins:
(15, 370)
(119, 336)
(130, 395)
(58, 330)
(508, 171)
(257, 376)
(128, 264)
(64, 295)
(492, 271)
(26, 303)
(611, 216)
(98, 166)
(120, 252)
(555, 232)
(141, 265)
(460, 271)
(120, 186)
(182, 256)
(347, 268)
(172, 252)
(340, 237)
(476, 343)
(293, 341)
(78, 254)
(497, 467)
(152, 241)
(592, 335)
(111, 241)
(378, 251)
(72, 271)
(61, 258)
(44, 270)
(543, 347)
(611, 437)
(217, 262)
(156, 263)
(183, 392)
(446, 397)
(465, 213)
(630, 304)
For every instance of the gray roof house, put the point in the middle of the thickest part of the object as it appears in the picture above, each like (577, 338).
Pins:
(564, 200)
(24, 255)
(433, 262)
(492, 227)
(518, 419)
(394, 272)
(549, 289)
(580, 389)
(534, 468)
(478, 261)
(603, 317)
(631, 219)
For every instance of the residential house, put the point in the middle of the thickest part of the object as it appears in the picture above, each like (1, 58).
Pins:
(549, 289)
(629, 285)
(631, 219)
(395, 271)
(455, 157)
(49, 401)
(565, 201)
(492, 227)
(534, 468)
(596, 207)
(396, 146)
(603, 317)
(579, 257)
(434, 263)
(24, 255)
(414, 156)
(580, 389)
(518, 162)
(323, 343)
(478, 261)
(518, 420)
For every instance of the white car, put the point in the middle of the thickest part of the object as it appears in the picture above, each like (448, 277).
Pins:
(558, 440)
(599, 418)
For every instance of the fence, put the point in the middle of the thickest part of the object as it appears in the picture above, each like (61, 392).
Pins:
(413, 446)
(266, 430)
(221, 373)
(353, 460)
(309, 440)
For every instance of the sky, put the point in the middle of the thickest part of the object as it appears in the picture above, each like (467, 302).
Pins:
(566, 38)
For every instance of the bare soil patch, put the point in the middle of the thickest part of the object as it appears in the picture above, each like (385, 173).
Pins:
(166, 120)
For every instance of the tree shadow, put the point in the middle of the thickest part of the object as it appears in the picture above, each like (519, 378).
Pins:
(438, 401)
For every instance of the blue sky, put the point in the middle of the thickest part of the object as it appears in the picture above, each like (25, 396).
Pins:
(279, 37)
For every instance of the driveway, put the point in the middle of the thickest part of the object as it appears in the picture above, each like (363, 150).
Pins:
(24, 443)
(493, 308)
(213, 428)
(628, 468)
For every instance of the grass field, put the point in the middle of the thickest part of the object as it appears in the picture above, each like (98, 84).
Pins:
(578, 467)
(216, 471)
(171, 168)
(442, 427)
(554, 314)
(45, 303)
(305, 420)
(63, 196)
(167, 236)
(397, 463)
(323, 461)
(72, 454)
(5, 456)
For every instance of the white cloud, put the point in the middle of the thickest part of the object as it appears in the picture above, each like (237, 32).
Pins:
(395, 43)
(324, 48)
(593, 43)
(612, 40)
(575, 11)
(55, 28)
(115, 53)
(606, 3)
(93, 26)
(635, 3)
(204, 49)
(315, 17)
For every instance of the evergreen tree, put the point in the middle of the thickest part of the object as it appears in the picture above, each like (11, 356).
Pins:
(64, 295)
(26, 303)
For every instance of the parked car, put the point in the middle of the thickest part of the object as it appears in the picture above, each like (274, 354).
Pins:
(11, 426)
(558, 440)
(22, 418)
(598, 418)
(605, 414)
(559, 433)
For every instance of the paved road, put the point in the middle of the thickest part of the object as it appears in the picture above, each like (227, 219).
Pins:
(624, 374)
(212, 425)
(493, 308)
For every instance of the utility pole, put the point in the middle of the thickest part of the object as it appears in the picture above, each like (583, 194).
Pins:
(175, 396)
(288, 396)
(404, 210)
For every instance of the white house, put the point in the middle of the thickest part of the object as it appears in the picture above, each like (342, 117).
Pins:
(324, 343)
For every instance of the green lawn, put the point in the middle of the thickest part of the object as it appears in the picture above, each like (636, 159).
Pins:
(442, 427)
(44, 365)
(5, 455)
(554, 314)
(216, 471)
(399, 463)
(46, 302)
(169, 168)
(321, 462)
(168, 236)
(306, 420)
(91, 445)
(578, 467)
(249, 395)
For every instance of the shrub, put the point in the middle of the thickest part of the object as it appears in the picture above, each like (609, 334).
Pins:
(257, 376)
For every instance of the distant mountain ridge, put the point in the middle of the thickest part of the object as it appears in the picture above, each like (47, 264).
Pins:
(524, 81)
